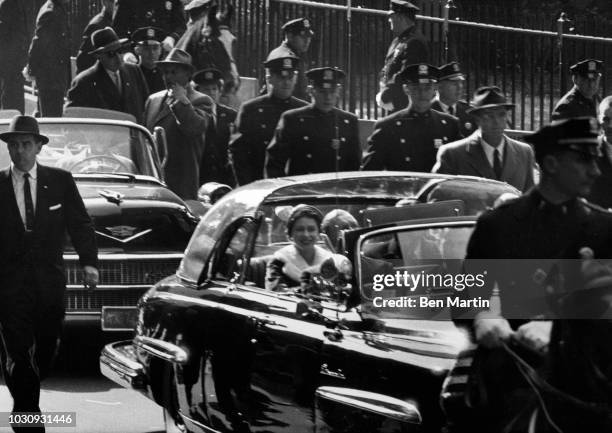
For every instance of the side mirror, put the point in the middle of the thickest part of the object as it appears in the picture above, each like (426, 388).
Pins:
(211, 192)
(159, 135)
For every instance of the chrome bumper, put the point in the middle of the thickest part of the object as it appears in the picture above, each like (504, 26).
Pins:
(118, 363)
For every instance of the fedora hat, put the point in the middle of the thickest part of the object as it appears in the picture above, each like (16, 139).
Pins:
(176, 57)
(488, 97)
(23, 125)
(106, 39)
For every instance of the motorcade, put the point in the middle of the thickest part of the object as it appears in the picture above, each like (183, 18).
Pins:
(142, 227)
(221, 353)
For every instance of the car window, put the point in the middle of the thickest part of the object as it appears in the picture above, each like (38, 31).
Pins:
(389, 258)
(94, 148)
(229, 260)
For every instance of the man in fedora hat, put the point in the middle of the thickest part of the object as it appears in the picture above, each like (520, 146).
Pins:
(319, 137)
(520, 240)
(258, 117)
(49, 57)
(183, 112)
(215, 163)
(147, 46)
(582, 99)
(448, 100)
(110, 83)
(409, 138)
(103, 19)
(488, 152)
(408, 47)
(40, 204)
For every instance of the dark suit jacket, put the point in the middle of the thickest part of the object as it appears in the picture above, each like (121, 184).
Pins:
(49, 55)
(94, 88)
(185, 126)
(467, 157)
(85, 60)
(215, 162)
(575, 104)
(17, 19)
(59, 209)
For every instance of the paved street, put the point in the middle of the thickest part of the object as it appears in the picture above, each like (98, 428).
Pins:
(100, 405)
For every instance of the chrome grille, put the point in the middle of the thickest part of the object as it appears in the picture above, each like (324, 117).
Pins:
(84, 300)
(122, 282)
(126, 272)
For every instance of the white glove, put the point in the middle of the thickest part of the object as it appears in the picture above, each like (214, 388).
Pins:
(130, 57)
(168, 43)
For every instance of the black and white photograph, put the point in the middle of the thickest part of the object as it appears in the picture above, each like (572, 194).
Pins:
(305, 216)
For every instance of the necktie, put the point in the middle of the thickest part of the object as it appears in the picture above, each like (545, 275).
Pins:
(497, 164)
(117, 80)
(29, 205)
(451, 110)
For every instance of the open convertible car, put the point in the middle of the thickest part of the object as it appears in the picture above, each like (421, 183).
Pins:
(142, 227)
(220, 353)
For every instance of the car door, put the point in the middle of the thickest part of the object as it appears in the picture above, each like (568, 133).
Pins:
(261, 359)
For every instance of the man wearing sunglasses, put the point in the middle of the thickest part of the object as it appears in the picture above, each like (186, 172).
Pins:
(110, 83)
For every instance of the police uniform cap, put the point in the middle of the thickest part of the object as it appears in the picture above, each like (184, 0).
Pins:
(148, 35)
(197, 3)
(451, 71)
(579, 134)
(284, 65)
(326, 78)
(207, 76)
(402, 7)
(419, 73)
(298, 26)
(489, 97)
(587, 68)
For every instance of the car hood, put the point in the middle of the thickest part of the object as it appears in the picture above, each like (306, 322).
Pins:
(136, 216)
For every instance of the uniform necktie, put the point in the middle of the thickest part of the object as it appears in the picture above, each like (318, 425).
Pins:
(497, 164)
(29, 205)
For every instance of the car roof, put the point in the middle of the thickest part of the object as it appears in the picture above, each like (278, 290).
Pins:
(83, 120)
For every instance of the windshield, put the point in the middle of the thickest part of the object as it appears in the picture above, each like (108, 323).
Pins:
(391, 259)
(93, 148)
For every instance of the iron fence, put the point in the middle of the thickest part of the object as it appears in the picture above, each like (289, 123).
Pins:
(530, 64)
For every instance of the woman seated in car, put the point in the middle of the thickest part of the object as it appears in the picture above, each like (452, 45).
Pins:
(289, 263)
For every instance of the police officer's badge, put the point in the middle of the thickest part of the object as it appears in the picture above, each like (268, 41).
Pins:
(208, 75)
(592, 67)
(328, 75)
(168, 5)
(150, 33)
(423, 70)
(306, 24)
(455, 67)
(437, 143)
(287, 63)
(468, 126)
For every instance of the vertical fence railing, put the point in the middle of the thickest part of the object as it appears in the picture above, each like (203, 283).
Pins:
(530, 65)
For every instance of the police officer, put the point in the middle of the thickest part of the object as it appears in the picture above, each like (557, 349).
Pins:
(549, 223)
(147, 46)
(298, 35)
(448, 100)
(410, 138)
(49, 57)
(407, 48)
(168, 15)
(582, 99)
(318, 138)
(258, 117)
(215, 164)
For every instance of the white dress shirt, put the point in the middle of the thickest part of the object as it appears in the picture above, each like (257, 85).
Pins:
(490, 150)
(18, 182)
